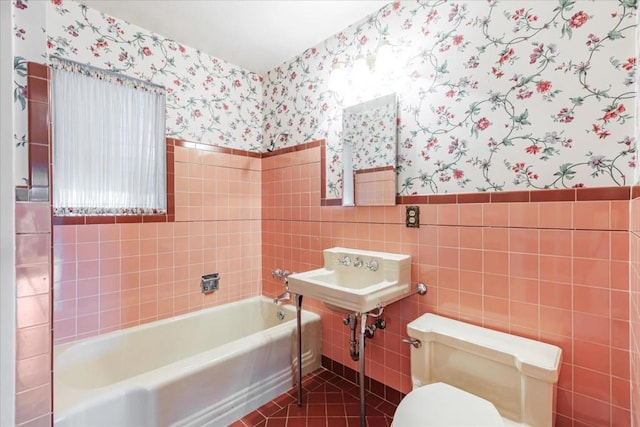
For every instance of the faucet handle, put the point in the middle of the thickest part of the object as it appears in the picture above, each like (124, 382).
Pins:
(358, 262)
(276, 273)
(372, 265)
(345, 260)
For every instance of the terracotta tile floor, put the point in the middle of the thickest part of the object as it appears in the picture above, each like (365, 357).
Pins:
(328, 401)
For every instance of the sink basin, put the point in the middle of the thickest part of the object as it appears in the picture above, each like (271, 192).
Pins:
(355, 281)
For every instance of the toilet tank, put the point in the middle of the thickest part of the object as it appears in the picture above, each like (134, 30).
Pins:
(518, 375)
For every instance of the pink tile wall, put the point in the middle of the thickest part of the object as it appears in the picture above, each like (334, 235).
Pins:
(634, 309)
(112, 276)
(33, 314)
(552, 271)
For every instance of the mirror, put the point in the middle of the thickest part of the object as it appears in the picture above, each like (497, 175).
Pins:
(369, 151)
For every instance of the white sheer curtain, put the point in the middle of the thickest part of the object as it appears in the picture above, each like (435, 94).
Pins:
(109, 149)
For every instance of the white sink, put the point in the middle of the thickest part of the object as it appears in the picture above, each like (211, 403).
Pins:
(367, 280)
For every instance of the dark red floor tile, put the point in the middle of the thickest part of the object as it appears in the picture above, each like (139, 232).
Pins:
(376, 422)
(317, 422)
(335, 410)
(319, 410)
(297, 422)
(253, 418)
(336, 422)
(297, 411)
(268, 409)
(276, 422)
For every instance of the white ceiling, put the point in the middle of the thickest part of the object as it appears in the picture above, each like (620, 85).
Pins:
(255, 34)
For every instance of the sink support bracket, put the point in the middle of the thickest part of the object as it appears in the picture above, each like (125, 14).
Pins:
(298, 299)
(363, 329)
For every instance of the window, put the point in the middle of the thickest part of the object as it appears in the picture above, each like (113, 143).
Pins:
(109, 149)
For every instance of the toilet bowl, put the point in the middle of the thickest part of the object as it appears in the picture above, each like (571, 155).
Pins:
(466, 375)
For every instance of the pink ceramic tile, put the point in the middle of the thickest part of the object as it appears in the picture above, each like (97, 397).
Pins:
(33, 372)
(556, 242)
(591, 272)
(33, 217)
(495, 214)
(591, 244)
(591, 215)
(33, 341)
(556, 215)
(524, 265)
(592, 300)
(523, 214)
(591, 383)
(88, 233)
(33, 403)
(32, 280)
(32, 249)
(33, 310)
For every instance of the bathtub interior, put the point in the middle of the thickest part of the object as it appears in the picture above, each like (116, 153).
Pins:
(171, 368)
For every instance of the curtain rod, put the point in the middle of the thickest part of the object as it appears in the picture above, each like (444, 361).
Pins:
(102, 70)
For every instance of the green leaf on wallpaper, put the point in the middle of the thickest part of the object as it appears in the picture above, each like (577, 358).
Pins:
(17, 97)
(577, 100)
(565, 171)
(443, 68)
(522, 118)
(507, 142)
(614, 35)
(20, 66)
(566, 31)
(629, 3)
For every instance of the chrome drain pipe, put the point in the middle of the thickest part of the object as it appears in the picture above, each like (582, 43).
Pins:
(352, 321)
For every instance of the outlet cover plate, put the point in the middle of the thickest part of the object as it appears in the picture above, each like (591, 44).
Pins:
(413, 216)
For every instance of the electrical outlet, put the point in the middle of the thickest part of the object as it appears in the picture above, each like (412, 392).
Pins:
(413, 216)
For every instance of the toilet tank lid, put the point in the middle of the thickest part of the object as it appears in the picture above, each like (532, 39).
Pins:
(534, 358)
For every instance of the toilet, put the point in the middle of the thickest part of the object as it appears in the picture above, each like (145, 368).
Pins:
(466, 375)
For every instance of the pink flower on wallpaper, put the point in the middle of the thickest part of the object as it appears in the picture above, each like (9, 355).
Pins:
(613, 112)
(602, 133)
(293, 75)
(450, 93)
(197, 113)
(578, 20)
(497, 72)
(146, 51)
(505, 56)
(533, 149)
(20, 5)
(537, 51)
(458, 39)
(543, 86)
(363, 40)
(458, 174)
(237, 83)
(122, 56)
(630, 64)
(483, 123)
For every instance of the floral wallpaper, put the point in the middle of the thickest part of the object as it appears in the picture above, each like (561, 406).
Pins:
(208, 100)
(493, 95)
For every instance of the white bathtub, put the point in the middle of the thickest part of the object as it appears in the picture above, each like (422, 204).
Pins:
(207, 368)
